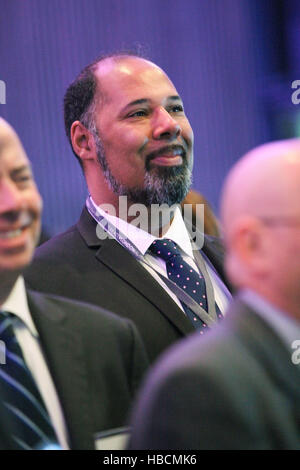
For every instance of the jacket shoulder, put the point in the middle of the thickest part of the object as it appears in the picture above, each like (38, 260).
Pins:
(57, 307)
(59, 244)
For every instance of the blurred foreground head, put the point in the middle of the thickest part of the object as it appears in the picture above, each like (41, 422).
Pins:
(260, 213)
(20, 205)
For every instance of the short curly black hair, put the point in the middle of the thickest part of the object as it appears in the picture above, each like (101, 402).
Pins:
(80, 96)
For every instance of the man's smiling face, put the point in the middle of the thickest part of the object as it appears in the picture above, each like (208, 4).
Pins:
(144, 140)
(20, 204)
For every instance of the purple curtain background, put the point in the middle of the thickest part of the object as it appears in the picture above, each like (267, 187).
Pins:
(217, 52)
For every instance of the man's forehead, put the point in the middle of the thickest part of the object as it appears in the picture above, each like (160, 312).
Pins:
(129, 73)
(8, 138)
(124, 64)
(6, 134)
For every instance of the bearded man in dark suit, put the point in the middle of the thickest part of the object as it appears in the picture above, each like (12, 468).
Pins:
(127, 127)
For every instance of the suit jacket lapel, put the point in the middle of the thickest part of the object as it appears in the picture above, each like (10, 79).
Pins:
(214, 250)
(130, 270)
(63, 352)
(119, 260)
(215, 253)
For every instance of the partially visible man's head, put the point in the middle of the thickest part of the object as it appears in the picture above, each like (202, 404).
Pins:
(126, 124)
(261, 222)
(20, 204)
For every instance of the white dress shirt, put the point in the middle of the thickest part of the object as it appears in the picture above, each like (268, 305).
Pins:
(177, 232)
(29, 343)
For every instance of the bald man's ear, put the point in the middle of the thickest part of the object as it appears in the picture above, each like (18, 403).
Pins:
(250, 245)
(82, 141)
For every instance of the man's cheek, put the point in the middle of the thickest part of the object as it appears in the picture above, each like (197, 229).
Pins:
(143, 145)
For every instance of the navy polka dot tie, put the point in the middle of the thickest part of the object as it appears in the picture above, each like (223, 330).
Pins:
(182, 274)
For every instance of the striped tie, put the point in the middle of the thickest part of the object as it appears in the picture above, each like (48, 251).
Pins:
(23, 404)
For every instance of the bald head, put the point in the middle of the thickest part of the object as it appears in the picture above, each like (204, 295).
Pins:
(265, 182)
(11, 147)
(124, 65)
(261, 221)
(106, 64)
(7, 135)
(3, 125)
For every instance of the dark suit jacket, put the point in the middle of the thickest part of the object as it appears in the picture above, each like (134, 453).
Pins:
(96, 361)
(79, 265)
(6, 441)
(236, 388)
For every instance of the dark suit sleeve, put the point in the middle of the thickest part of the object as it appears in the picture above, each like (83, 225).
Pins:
(234, 389)
(139, 360)
(191, 411)
(6, 442)
(96, 361)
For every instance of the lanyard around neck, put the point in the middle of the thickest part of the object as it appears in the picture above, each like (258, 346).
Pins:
(209, 318)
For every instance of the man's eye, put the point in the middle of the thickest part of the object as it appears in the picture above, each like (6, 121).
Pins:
(140, 112)
(24, 179)
(177, 109)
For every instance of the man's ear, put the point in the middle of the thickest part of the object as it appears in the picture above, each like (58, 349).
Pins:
(82, 141)
(250, 244)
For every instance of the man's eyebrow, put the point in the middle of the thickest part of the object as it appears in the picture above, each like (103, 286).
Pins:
(135, 102)
(21, 169)
(174, 98)
(146, 101)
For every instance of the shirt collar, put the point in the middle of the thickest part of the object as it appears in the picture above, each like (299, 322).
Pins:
(17, 304)
(142, 239)
(179, 234)
(287, 327)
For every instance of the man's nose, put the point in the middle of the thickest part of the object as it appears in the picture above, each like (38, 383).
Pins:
(164, 125)
(11, 198)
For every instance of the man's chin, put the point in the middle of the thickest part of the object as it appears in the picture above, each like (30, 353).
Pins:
(15, 262)
(168, 186)
(166, 194)
(162, 185)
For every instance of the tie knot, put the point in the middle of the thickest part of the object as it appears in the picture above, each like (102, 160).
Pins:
(164, 248)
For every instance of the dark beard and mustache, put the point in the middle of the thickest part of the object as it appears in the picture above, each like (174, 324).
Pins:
(162, 185)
